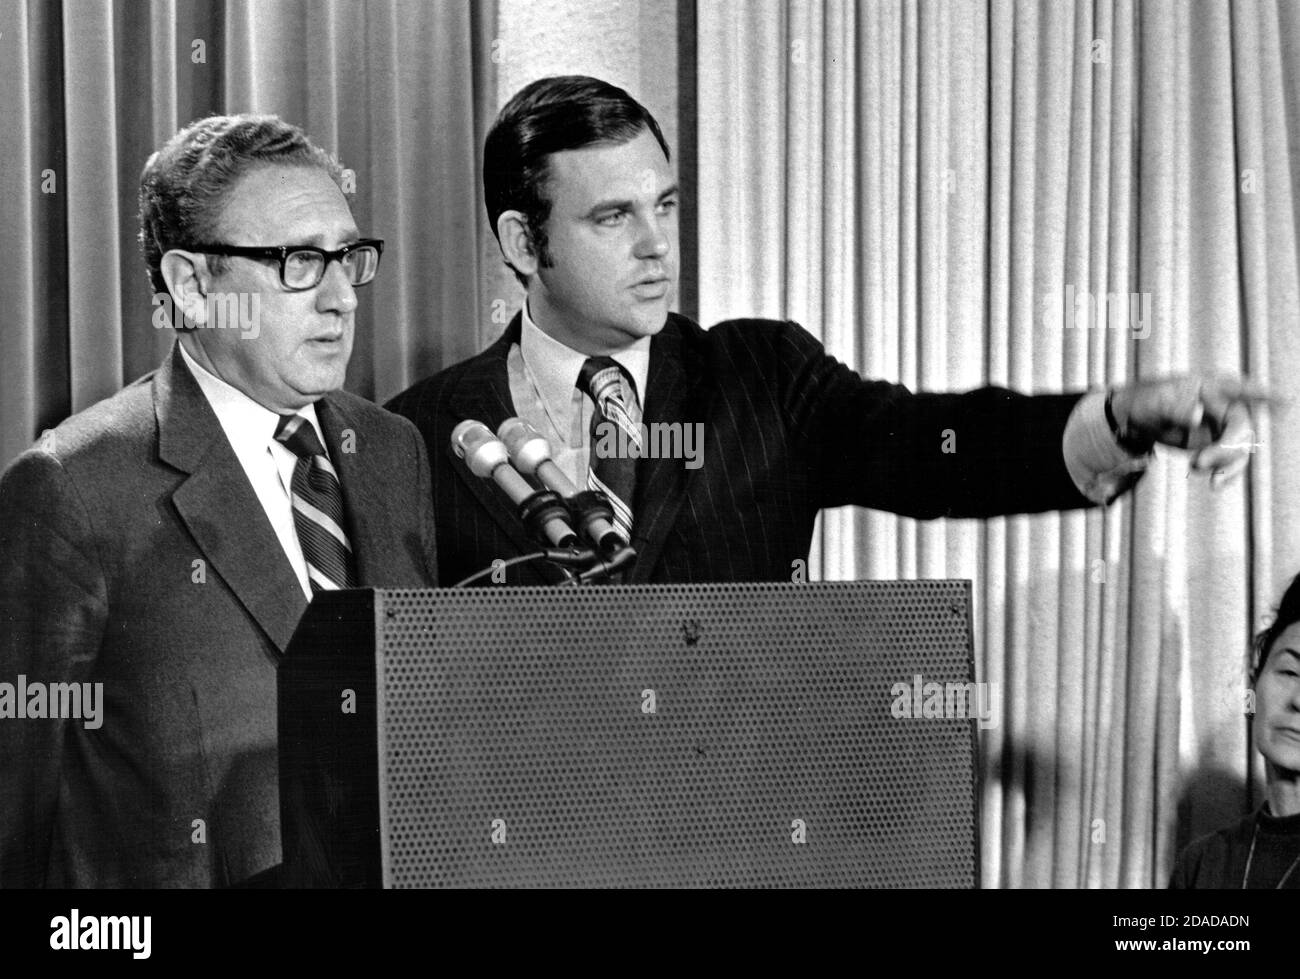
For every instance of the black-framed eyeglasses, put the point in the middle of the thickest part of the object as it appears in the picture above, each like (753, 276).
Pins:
(303, 266)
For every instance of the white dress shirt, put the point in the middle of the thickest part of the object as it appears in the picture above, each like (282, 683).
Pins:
(1099, 467)
(250, 429)
(543, 385)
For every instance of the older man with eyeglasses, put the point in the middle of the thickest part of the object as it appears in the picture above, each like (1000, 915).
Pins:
(158, 549)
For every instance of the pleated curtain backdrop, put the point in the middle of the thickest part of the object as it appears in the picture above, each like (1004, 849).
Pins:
(920, 184)
(395, 88)
(924, 186)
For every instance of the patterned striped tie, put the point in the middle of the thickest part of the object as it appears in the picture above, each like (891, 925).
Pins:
(613, 474)
(317, 508)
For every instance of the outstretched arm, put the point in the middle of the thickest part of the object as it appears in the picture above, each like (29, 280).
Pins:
(992, 451)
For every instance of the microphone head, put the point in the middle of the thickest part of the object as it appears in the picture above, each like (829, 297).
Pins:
(482, 451)
(527, 447)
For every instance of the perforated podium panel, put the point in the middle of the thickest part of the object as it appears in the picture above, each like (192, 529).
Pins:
(649, 736)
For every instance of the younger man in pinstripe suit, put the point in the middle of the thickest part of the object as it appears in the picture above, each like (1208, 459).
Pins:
(583, 201)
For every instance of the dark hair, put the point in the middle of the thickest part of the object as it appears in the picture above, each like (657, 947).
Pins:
(185, 184)
(1287, 614)
(563, 112)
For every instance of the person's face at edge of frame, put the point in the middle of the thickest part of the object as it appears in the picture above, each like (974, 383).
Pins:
(300, 350)
(1277, 702)
(612, 240)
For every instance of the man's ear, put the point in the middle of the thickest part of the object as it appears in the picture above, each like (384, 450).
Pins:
(516, 242)
(188, 279)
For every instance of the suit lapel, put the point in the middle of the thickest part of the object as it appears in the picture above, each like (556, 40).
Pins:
(674, 393)
(218, 505)
(483, 393)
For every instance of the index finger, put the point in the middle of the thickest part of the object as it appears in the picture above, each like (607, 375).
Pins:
(1220, 394)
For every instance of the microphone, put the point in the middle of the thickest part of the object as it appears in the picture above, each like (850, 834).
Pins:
(531, 454)
(488, 458)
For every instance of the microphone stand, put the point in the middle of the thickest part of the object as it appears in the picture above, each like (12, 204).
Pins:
(548, 516)
(592, 565)
(603, 568)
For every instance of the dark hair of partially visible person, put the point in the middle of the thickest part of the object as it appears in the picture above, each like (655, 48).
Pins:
(1288, 613)
(184, 185)
(563, 112)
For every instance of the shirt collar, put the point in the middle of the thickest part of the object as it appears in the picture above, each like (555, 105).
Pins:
(241, 417)
(555, 366)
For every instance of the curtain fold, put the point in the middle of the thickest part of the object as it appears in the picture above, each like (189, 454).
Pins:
(930, 187)
(392, 87)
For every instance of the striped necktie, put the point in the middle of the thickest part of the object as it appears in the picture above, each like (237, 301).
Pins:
(611, 472)
(317, 501)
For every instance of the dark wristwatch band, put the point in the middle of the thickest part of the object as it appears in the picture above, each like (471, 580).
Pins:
(1130, 443)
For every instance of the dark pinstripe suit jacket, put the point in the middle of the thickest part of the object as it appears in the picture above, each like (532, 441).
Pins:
(788, 430)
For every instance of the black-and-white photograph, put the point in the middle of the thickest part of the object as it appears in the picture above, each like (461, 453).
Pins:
(652, 444)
